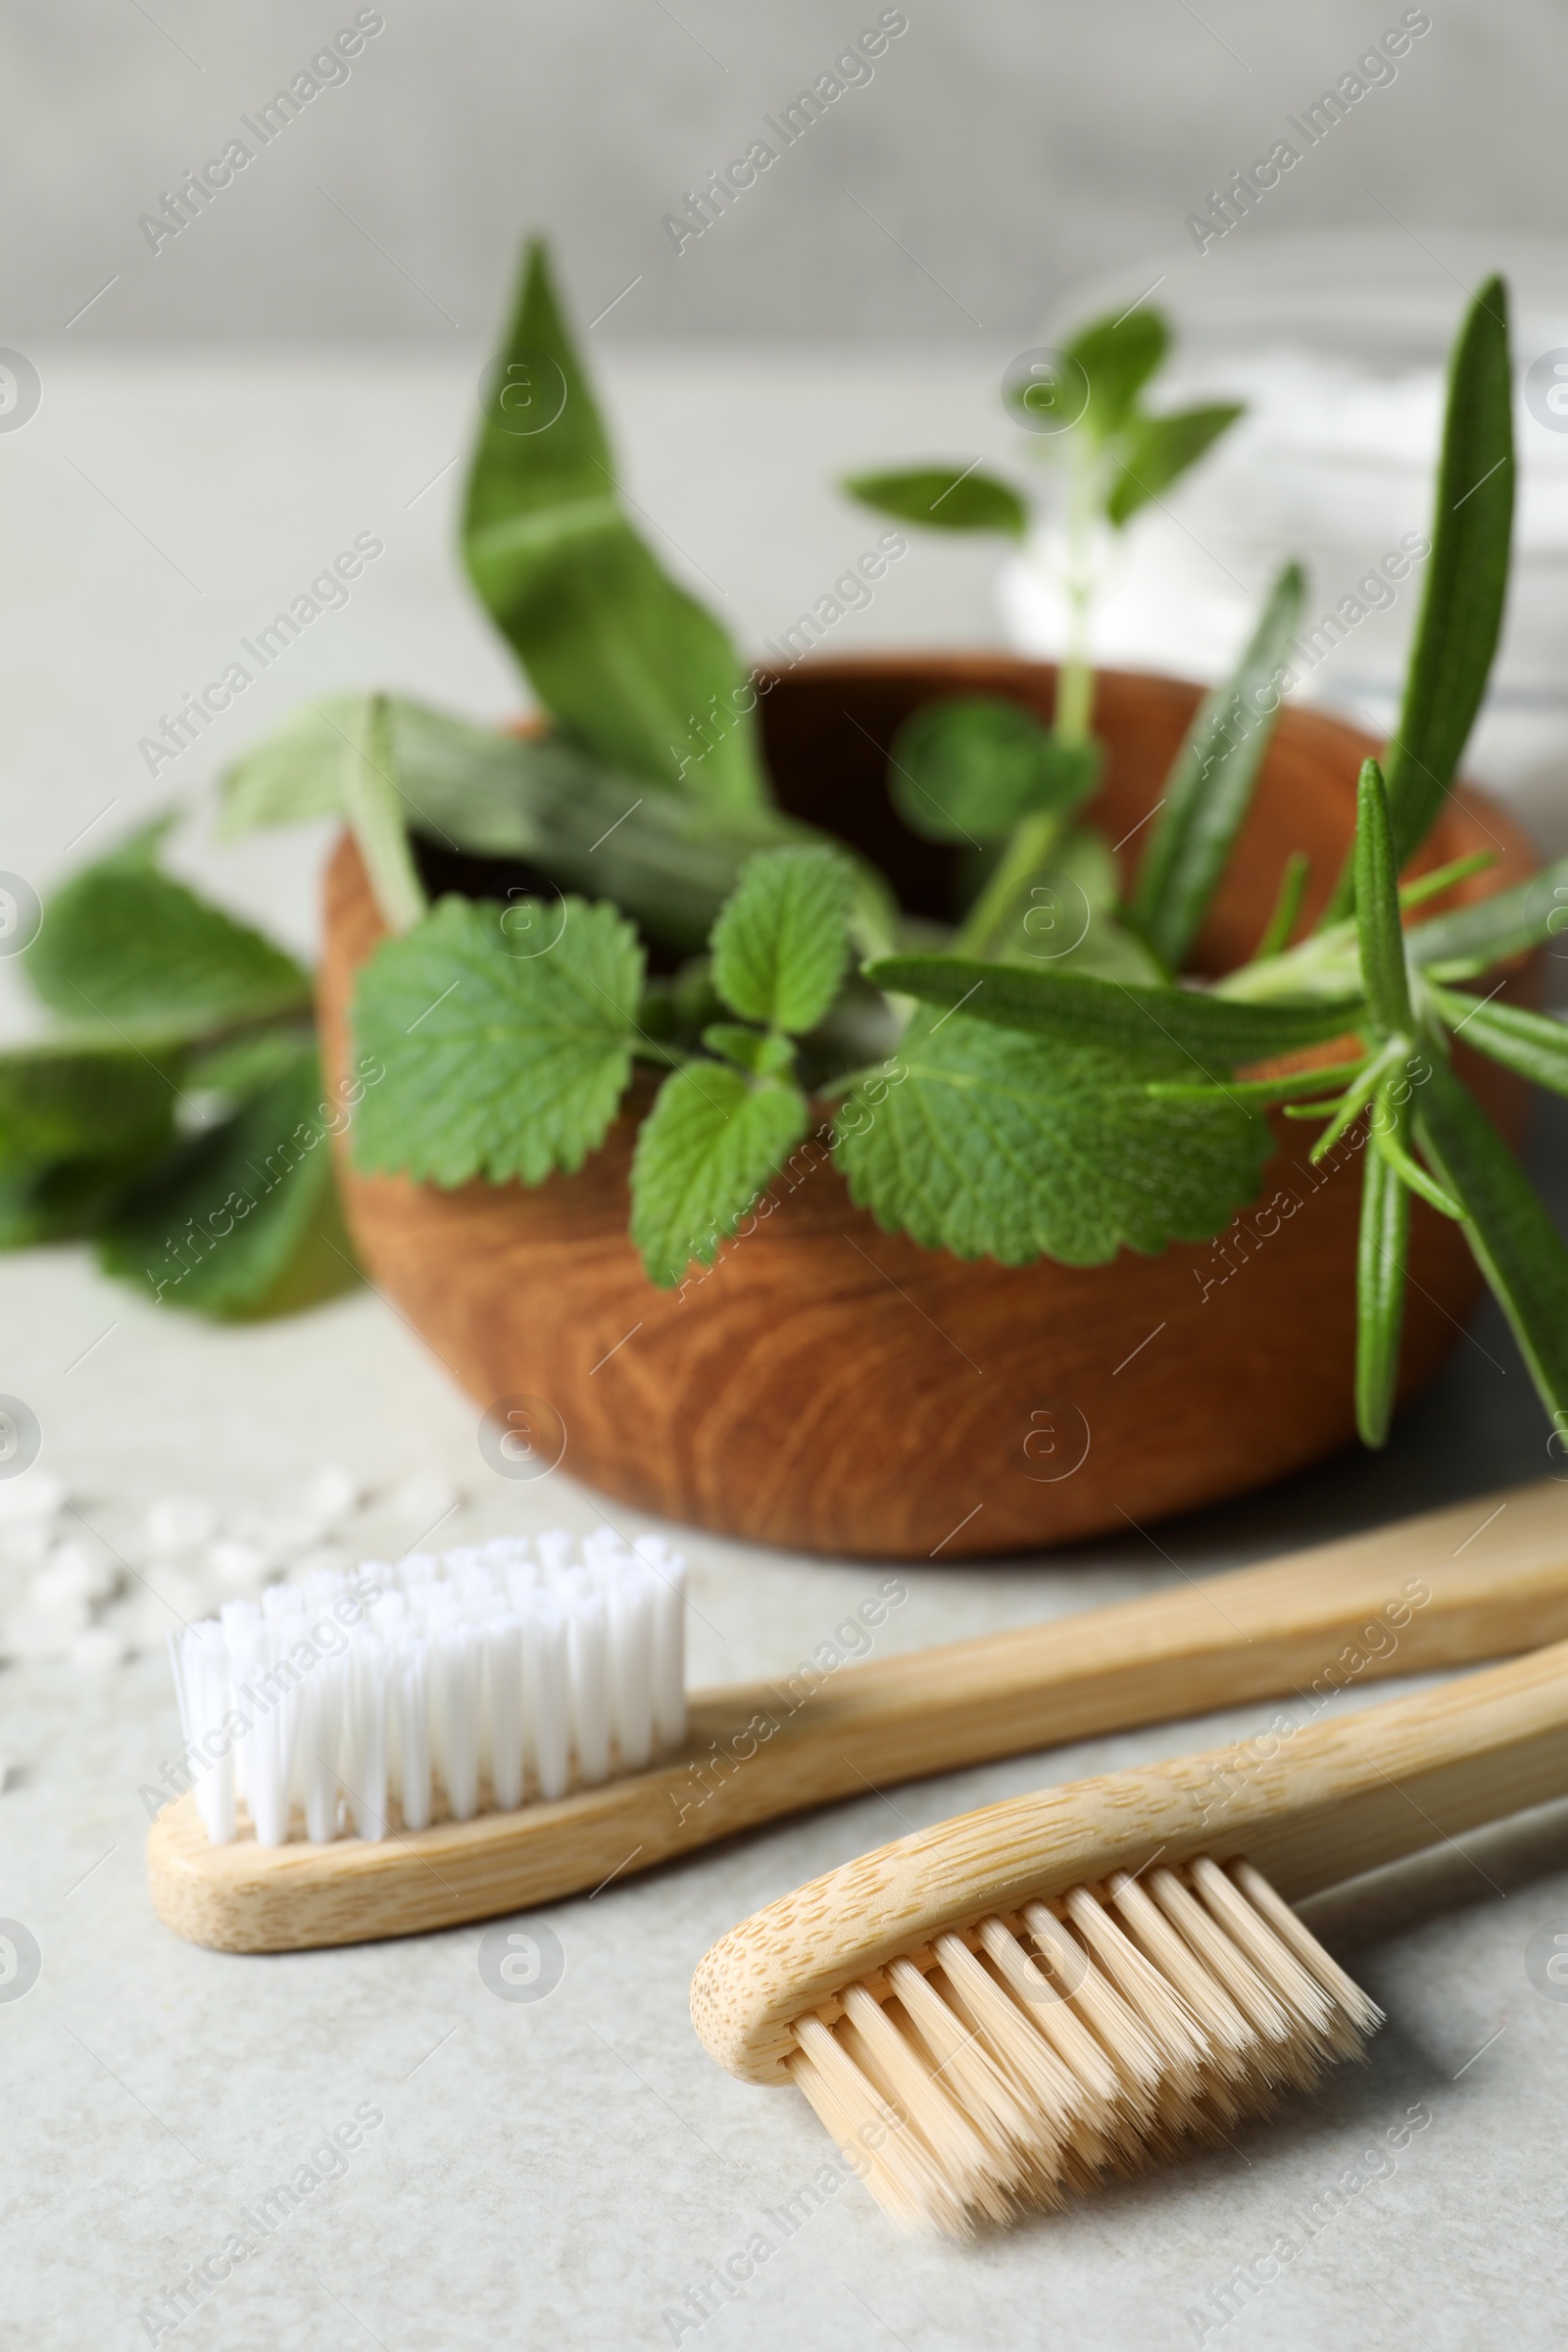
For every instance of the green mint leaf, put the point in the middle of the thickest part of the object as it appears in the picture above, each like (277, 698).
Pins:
(1158, 450)
(1531, 1042)
(943, 498)
(1217, 1032)
(711, 1143)
(1513, 1240)
(626, 660)
(781, 945)
(995, 1145)
(499, 1061)
(242, 1065)
(292, 776)
(764, 1051)
(968, 766)
(376, 812)
(1118, 357)
(1377, 906)
(1212, 783)
(123, 944)
(1382, 1257)
(1469, 941)
(81, 1098)
(240, 1219)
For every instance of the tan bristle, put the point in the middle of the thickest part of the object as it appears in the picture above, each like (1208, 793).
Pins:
(964, 2083)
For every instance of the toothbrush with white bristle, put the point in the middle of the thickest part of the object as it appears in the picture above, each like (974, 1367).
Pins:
(581, 1672)
(432, 1689)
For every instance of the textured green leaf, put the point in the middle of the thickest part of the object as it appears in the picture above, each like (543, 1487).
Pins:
(943, 498)
(1075, 1007)
(57, 1199)
(498, 1063)
(1380, 1276)
(1158, 450)
(1377, 907)
(996, 1145)
(1469, 941)
(80, 1097)
(240, 1219)
(1515, 1243)
(1531, 1042)
(1118, 356)
(623, 658)
(968, 766)
(1212, 783)
(782, 943)
(711, 1143)
(123, 943)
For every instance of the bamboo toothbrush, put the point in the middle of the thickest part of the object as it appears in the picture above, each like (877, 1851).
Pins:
(998, 2009)
(1481, 1580)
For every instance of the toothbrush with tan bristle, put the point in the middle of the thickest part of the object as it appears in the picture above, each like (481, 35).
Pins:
(508, 1725)
(993, 2012)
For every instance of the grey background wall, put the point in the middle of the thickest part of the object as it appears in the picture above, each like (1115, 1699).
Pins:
(1002, 151)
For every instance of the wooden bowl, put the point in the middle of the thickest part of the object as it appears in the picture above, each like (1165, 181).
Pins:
(834, 1387)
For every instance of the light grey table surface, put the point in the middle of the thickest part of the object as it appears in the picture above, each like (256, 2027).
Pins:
(565, 2172)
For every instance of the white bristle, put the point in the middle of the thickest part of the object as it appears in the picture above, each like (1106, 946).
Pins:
(975, 2076)
(497, 1675)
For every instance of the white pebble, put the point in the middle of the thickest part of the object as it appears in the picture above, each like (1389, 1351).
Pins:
(180, 1523)
(332, 1495)
(35, 1494)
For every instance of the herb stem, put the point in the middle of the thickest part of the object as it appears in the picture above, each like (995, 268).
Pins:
(1075, 677)
(991, 918)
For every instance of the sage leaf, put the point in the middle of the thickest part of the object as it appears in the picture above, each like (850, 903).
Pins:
(943, 498)
(128, 946)
(1514, 1241)
(499, 1060)
(1212, 783)
(782, 943)
(1158, 450)
(713, 1142)
(998, 1145)
(1070, 1007)
(240, 1219)
(84, 1096)
(625, 659)
(968, 766)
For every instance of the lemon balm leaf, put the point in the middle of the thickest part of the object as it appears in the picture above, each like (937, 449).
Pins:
(505, 1035)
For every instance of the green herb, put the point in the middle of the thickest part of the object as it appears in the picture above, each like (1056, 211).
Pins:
(625, 659)
(506, 1036)
(125, 943)
(997, 1144)
(1042, 1074)
(1211, 787)
(1087, 410)
(1466, 583)
(170, 1119)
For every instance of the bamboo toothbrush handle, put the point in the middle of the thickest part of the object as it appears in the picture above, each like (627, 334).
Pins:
(1484, 1579)
(1309, 1808)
